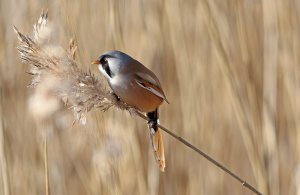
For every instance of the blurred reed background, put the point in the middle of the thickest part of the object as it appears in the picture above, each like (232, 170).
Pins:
(229, 68)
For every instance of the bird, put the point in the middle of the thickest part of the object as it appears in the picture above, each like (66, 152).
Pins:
(137, 86)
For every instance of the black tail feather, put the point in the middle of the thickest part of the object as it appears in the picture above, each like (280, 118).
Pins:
(153, 119)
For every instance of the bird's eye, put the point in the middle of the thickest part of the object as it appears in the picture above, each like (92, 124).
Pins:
(103, 60)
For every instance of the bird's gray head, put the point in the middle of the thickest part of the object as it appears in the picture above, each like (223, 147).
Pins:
(112, 63)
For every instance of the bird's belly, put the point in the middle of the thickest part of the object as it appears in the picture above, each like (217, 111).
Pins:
(134, 95)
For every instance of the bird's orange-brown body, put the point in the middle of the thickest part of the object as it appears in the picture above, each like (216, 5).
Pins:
(137, 96)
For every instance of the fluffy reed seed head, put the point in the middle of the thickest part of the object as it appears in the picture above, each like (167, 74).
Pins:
(78, 89)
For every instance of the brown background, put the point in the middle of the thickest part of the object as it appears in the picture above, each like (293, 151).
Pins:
(229, 68)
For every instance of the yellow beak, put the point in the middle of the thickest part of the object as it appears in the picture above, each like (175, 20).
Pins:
(96, 62)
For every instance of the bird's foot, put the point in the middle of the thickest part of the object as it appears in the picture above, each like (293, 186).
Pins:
(117, 97)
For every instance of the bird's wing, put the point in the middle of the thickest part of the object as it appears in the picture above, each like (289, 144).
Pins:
(147, 82)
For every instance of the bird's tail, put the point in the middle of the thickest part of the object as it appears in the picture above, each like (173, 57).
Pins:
(156, 139)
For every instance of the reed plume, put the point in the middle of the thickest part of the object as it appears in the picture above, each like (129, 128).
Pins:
(78, 89)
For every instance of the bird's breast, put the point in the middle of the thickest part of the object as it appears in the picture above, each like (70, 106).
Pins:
(130, 92)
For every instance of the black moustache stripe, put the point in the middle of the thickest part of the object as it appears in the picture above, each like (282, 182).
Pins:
(107, 69)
